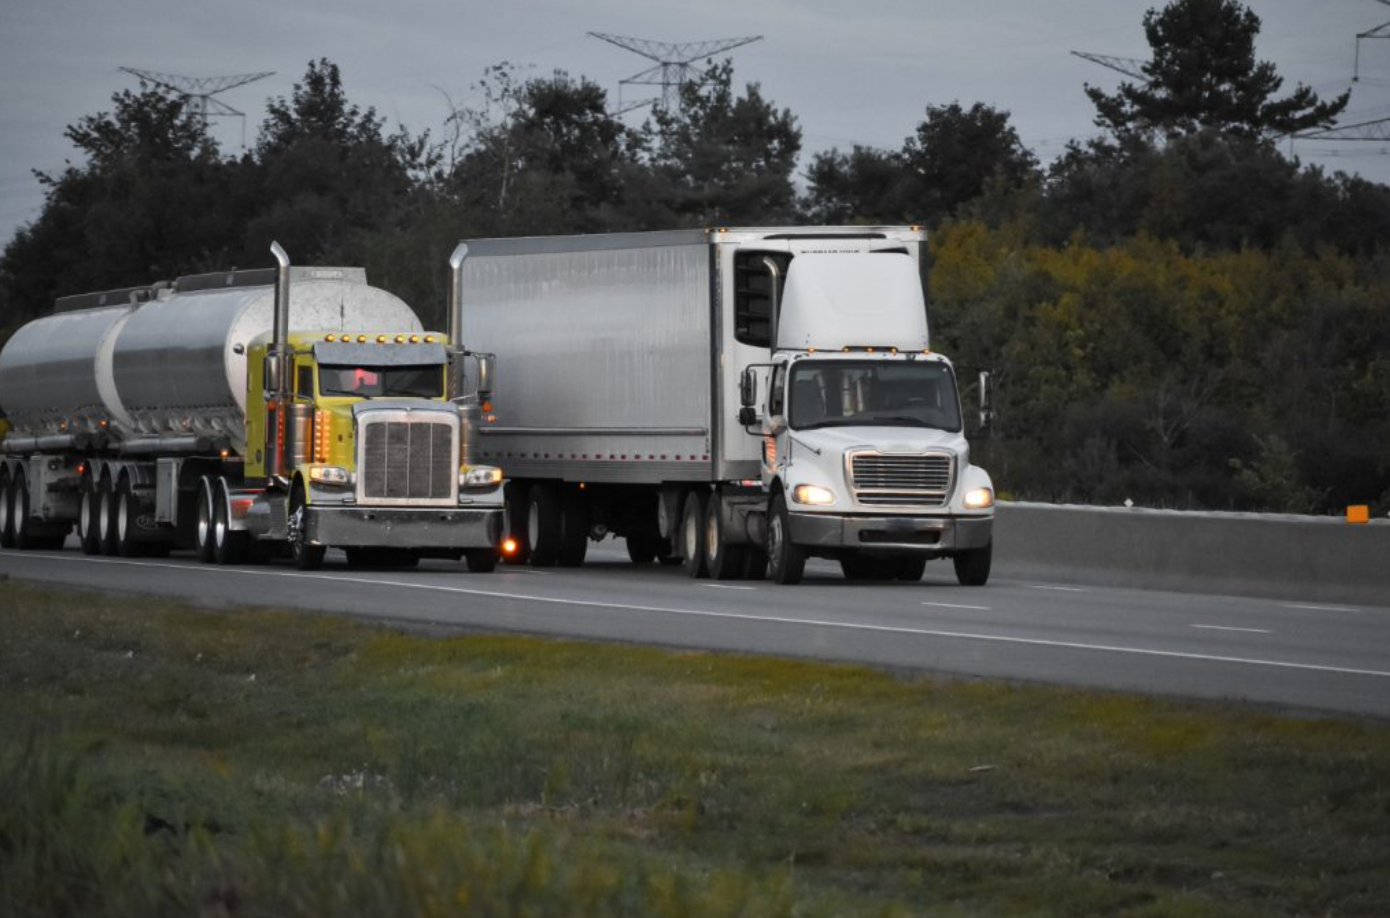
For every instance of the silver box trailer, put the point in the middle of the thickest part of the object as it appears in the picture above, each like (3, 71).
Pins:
(630, 359)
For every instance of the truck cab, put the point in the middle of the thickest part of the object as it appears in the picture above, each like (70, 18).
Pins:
(864, 455)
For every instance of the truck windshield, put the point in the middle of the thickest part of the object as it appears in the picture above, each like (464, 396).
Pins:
(374, 382)
(842, 393)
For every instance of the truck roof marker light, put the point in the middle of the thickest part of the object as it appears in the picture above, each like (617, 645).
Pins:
(429, 339)
(892, 350)
(414, 339)
(400, 339)
(361, 339)
(380, 339)
(328, 337)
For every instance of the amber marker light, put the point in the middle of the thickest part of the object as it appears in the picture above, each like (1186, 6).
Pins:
(400, 339)
(361, 339)
(414, 339)
(509, 547)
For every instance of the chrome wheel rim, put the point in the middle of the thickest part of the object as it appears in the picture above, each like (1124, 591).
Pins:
(691, 532)
(123, 517)
(104, 515)
(533, 524)
(711, 538)
(84, 517)
(204, 518)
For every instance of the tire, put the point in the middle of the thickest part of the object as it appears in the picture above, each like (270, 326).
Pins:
(21, 528)
(306, 557)
(127, 511)
(6, 513)
(88, 515)
(106, 518)
(544, 525)
(910, 570)
(228, 545)
(724, 561)
(517, 497)
(972, 567)
(202, 523)
(481, 560)
(786, 563)
(574, 527)
(692, 534)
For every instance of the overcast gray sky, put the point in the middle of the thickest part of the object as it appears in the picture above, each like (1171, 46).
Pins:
(851, 72)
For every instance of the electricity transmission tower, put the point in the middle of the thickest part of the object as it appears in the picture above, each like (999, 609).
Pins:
(1377, 130)
(198, 92)
(673, 65)
(1129, 66)
(1380, 31)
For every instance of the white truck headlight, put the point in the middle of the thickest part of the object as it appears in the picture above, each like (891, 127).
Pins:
(813, 494)
(481, 476)
(332, 475)
(979, 499)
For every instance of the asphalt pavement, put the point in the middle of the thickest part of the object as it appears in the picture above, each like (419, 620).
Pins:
(1284, 651)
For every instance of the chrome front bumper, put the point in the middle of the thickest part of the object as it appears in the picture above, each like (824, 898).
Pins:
(919, 535)
(394, 527)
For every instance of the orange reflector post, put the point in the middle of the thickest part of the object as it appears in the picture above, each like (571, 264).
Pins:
(1358, 513)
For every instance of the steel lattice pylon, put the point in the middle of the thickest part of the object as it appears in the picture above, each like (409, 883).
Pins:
(673, 64)
(1129, 66)
(198, 92)
(1380, 31)
(1378, 130)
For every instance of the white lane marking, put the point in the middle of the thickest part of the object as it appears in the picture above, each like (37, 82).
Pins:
(755, 619)
(725, 586)
(1228, 628)
(1292, 605)
(1060, 589)
(951, 605)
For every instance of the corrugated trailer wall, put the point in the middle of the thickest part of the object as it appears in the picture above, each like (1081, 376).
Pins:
(606, 374)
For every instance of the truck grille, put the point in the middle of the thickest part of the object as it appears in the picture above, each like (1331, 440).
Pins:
(921, 480)
(408, 460)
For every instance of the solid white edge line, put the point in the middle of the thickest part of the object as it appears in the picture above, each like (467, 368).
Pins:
(951, 605)
(1060, 589)
(1229, 628)
(725, 586)
(1291, 605)
(763, 619)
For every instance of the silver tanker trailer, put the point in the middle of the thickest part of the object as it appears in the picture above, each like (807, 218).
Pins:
(189, 414)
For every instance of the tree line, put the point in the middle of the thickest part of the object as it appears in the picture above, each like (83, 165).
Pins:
(1175, 311)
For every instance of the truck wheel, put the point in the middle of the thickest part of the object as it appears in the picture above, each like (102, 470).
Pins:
(692, 534)
(786, 563)
(6, 513)
(972, 566)
(544, 532)
(911, 569)
(574, 527)
(127, 510)
(202, 527)
(106, 517)
(228, 545)
(481, 560)
(88, 515)
(724, 561)
(306, 557)
(518, 496)
(21, 527)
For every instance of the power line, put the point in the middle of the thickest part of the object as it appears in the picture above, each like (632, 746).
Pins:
(673, 65)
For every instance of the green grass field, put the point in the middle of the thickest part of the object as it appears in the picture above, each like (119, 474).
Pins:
(161, 760)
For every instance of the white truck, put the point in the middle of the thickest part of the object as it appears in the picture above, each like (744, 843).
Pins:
(735, 400)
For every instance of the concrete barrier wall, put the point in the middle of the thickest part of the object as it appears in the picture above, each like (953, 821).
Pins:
(1298, 558)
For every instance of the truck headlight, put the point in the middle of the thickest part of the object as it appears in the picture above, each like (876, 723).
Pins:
(813, 494)
(332, 475)
(979, 499)
(481, 476)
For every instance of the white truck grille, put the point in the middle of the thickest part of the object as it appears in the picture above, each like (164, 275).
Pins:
(407, 459)
(916, 479)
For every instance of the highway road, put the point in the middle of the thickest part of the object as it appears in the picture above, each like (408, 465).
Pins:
(1280, 651)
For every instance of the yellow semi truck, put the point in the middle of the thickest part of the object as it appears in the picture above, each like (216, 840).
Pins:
(247, 414)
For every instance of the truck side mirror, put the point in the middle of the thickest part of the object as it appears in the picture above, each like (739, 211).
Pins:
(748, 415)
(487, 375)
(748, 389)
